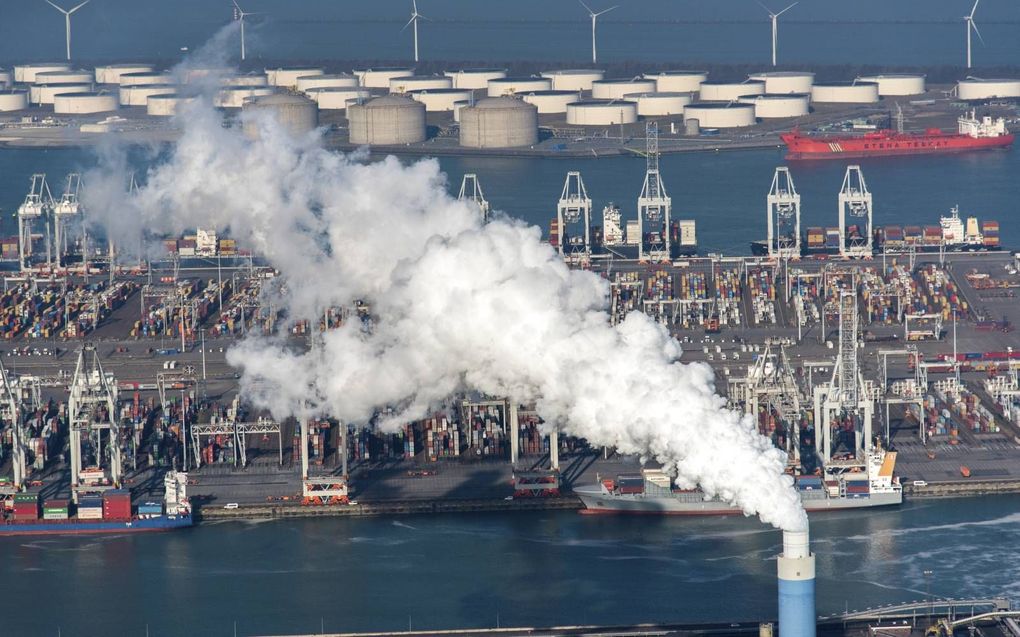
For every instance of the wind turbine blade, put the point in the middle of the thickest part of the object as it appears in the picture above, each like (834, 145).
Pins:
(238, 7)
(78, 7)
(60, 9)
(606, 10)
(409, 22)
(414, 6)
(786, 9)
(974, 8)
(974, 26)
(760, 4)
(590, 12)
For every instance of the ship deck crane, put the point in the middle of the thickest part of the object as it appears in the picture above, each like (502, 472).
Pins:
(471, 190)
(92, 408)
(783, 212)
(572, 211)
(855, 210)
(654, 205)
(36, 208)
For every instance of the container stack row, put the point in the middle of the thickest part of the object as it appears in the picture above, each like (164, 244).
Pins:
(727, 295)
(763, 295)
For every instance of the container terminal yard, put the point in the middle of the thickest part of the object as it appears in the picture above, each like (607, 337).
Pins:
(875, 340)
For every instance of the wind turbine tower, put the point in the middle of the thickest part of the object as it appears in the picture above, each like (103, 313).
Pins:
(774, 18)
(239, 16)
(968, 20)
(415, 16)
(67, 22)
(594, 17)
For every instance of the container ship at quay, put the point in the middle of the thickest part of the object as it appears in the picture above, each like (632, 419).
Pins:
(653, 493)
(106, 511)
(972, 134)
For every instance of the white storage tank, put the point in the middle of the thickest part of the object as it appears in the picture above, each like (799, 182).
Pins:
(457, 107)
(195, 74)
(784, 82)
(137, 79)
(896, 84)
(13, 100)
(166, 105)
(548, 102)
(616, 89)
(474, 78)
(408, 83)
(335, 98)
(573, 79)
(845, 92)
(441, 99)
(65, 77)
(499, 122)
(84, 103)
(331, 80)
(6, 77)
(387, 120)
(380, 77)
(977, 89)
(295, 114)
(782, 105)
(234, 96)
(514, 85)
(248, 79)
(728, 91)
(601, 113)
(25, 73)
(138, 95)
(716, 115)
(44, 93)
(678, 81)
(287, 77)
(660, 104)
(110, 73)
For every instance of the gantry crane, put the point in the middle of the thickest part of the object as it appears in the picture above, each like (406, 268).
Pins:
(856, 233)
(654, 205)
(471, 190)
(573, 214)
(65, 212)
(35, 209)
(783, 213)
(92, 408)
(770, 381)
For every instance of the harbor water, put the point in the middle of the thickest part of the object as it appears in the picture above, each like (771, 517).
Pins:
(480, 570)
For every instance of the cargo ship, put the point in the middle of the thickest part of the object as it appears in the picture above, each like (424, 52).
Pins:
(108, 512)
(652, 492)
(972, 134)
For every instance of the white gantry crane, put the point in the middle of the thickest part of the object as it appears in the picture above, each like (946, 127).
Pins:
(65, 212)
(34, 210)
(847, 402)
(770, 381)
(783, 216)
(10, 417)
(471, 190)
(94, 428)
(654, 205)
(239, 430)
(573, 214)
(856, 234)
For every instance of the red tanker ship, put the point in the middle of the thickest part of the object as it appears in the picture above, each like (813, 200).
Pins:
(973, 134)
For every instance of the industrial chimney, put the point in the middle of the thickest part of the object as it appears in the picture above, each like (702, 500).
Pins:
(796, 586)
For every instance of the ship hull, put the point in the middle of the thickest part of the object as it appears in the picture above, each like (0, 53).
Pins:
(802, 147)
(596, 502)
(98, 527)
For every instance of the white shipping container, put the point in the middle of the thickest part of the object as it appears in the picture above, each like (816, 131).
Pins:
(90, 513)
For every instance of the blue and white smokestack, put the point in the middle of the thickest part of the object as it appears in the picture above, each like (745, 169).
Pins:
(796, 586)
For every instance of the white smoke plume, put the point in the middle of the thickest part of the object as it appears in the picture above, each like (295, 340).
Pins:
(457, 304)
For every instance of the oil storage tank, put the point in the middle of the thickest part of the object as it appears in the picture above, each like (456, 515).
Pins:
(712, 91)
(13, 100)
(408, 83)
(330, 80)
(845, 92)
(6, 77)
(678, 81)
(896, 84)
(110, 73)
(296, 114)
(499, 122)
(617, 88)
(601, 113)
(246, 79)
(978, 89)
(44, 93)
(380, 77)
(287, 77)
(783, 82)
(138, 95)
(65, 77)
(777, 106)
(441, 99)
(146, 77)
(718, 115)
(659, 104)
(166, 105)
(85, 103)
(573, 79)
(387, 120)
(25, 73)
(335, 98)
(515, 85)
(548, 102)
(474, 78)
(235, 96)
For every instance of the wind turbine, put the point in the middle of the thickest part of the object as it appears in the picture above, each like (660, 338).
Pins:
(239, 15)
(415, 16)
(968, 20)
(594, 17)
(67, 23)
(774, 17)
